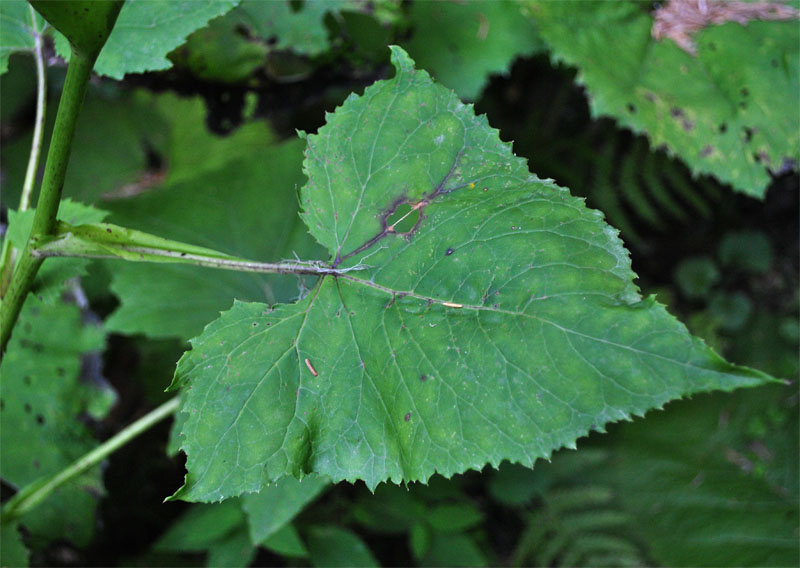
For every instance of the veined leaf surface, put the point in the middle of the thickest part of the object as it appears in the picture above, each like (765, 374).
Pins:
(503, 323)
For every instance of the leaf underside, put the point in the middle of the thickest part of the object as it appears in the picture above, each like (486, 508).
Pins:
(501, 325)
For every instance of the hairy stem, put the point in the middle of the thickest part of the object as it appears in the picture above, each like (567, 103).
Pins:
(30, 496)
(44, 221)
(9, 253)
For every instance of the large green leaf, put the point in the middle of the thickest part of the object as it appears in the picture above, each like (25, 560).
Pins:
(502, 325)
(147, 30)
(46, 395)
(729, 111)
(19, 26)
(461, 44)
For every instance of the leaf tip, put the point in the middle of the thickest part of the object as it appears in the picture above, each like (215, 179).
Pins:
(400, 59)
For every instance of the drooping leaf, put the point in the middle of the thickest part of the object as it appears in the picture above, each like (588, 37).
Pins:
(46, 397)
(276, 505)
(461, 44)
(201, 525)
(454, 550)
(246, 207)
(54, 272)
(18, 29)
(147, 30)
(502, 324)
(286, 542)
(333, 546)
(729, 111)
(235, 551)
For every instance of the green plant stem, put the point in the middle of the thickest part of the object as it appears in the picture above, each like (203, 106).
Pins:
(44, 221)
(30, 496)
(8, 253)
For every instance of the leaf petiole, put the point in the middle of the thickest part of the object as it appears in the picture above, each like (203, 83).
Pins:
(104, 240)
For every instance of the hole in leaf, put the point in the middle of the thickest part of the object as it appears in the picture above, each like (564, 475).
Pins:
(403, 219)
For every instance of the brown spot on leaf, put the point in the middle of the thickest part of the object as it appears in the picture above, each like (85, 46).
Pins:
(706, 152)
(680, 19)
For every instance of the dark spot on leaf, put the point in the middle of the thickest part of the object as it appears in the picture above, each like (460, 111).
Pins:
(28, 408)
(706, 152)
(712, 46)
(485, 189)
(748, 134)
(255, 324)
(40, 419)
(676, 112)
(61, 372)
(183, 254)
(108, 230)
(423, 378)
(26, 379)
(631, 108)
(723, 128)
(449, 251)
(742, 105)
(407, 417)
(650, 97)
(761, 157)
(2, 404)
(744, 92)
(773, 62)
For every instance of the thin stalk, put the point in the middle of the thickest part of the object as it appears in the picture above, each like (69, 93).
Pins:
(44, 221)
(30, 496)
(38, 126)
(146, 254)
(9, 253)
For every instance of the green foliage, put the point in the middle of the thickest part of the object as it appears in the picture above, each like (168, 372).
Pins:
(749, 251)
(13, 551)
(462, 44)
(332, 546)
(723, 496)
(376, 372)
(18, 27)
(696, 276)
(218, 530)
(46, 387)
(147, 30)
(276, 505)
(725, 112)
(486, 325)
